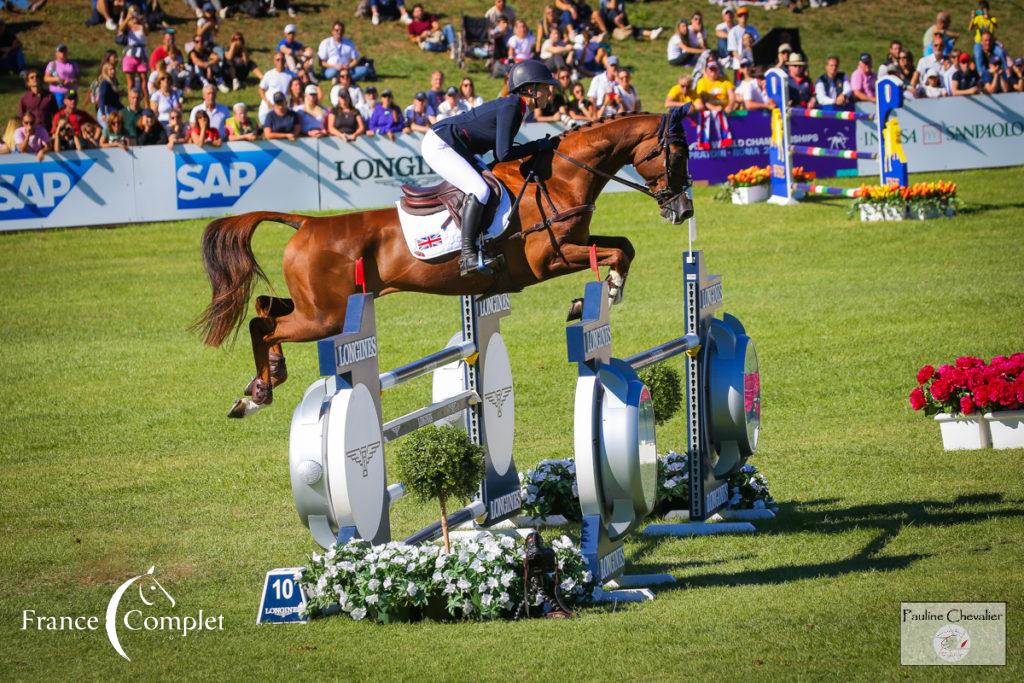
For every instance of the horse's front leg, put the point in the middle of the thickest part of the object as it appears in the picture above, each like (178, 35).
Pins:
(572, 258)
(617, 274)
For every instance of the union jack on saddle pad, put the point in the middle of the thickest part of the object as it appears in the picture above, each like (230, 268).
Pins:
(435, 235)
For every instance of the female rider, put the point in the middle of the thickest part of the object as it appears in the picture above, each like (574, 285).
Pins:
(450, 147)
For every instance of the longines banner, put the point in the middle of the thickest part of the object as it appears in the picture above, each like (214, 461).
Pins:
(102, 187)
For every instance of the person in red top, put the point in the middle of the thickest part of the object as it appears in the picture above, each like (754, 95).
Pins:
(37, 100)
(166, 47)
(420, 22)
(67, 124)
(202, 133)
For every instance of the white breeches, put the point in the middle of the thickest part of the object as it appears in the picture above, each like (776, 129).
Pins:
(450, 165)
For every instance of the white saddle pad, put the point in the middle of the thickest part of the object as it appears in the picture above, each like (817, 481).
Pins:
(429, 237)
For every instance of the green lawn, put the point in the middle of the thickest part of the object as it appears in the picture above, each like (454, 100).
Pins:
(116, 454)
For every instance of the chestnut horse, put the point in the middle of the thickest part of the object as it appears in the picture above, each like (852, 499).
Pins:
(548, 235)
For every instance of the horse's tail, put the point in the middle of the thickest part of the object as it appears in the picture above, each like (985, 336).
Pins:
(231, 267)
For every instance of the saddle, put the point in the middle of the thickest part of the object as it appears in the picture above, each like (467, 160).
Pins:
(431, 199)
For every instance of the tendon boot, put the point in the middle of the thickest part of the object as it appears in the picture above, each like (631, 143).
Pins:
(471, 260)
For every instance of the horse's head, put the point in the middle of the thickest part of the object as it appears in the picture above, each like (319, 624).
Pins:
(664, 167)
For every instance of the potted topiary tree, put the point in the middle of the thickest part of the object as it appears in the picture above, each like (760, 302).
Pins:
(441, 463)
(666, 390)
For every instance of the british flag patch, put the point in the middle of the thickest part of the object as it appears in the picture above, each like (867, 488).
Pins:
(429, 241)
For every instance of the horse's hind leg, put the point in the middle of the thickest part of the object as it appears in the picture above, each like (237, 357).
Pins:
(272, 307)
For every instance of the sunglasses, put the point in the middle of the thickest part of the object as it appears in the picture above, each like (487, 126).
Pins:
(29, 121)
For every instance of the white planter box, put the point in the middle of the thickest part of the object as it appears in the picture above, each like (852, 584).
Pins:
(960, 433)
(928, 214)
(1006, 428)
(870, 213)
(751, 195)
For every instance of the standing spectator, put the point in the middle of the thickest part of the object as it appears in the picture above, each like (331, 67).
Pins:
(604, 82)
(555, 52)
(165, 99)
(388, 9)
(202, 132)
(148, 130)
(715, 90)
(370, 102)
(903, 71)
(130, 113)
(579, 106)
(419, 117)
(241, 127)
(344, 120)
(12, 57)
(135, 63)
(750, 92)
(554, 110)
(735, 40)
(799, 88)
(344, 84)
(386, 118)
(177, 129)
(832, 90)
(41, 103)
(435, 96)
(990, 58)
(281, 122)
(982, 21)
(68, 123)
(500, 9)
(966, 80)
(722, 32)
(239, 63)
(932, 86)
(452, 105)
(108, 98)
(948, 67)
(468, 93)
(337, 51)
(682, 93)
(680, 51)
(206, 64)
(295, 90)
(892, 58)
(863, 80)
(626, 95)
(30, 137)
(948, 37)
(7, 139)
(114, 135)
(217, 114)
(311, 114)
(290, 48)
(931, 60)
(521, 44)
(61, 74)
(274, 81)
(782, 56)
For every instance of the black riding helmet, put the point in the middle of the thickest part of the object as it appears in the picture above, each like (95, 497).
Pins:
(529, 72)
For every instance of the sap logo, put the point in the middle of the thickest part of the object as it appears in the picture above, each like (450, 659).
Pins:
(218, 179)
(34, 190)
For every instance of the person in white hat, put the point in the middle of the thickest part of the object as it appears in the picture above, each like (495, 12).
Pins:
(290, 48)
(313, 116)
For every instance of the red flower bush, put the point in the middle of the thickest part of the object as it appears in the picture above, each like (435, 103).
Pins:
(970, 385)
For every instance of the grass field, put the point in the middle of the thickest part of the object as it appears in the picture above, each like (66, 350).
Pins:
(116, 454)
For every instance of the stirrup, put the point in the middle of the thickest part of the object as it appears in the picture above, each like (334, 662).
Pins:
(475, 264)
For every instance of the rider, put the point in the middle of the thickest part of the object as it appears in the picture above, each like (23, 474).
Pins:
(450, 147)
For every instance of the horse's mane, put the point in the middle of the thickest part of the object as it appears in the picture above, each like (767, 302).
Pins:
(590, 125)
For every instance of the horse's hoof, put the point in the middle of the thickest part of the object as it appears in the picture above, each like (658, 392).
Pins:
(248, 387)
(244, 407)
(616, 285)
(575, 311)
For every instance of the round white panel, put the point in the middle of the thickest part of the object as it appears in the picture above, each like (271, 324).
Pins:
(499, 407)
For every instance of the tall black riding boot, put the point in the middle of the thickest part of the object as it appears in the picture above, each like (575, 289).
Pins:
(472, 213)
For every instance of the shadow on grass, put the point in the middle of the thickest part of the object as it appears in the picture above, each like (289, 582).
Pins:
(977, 209)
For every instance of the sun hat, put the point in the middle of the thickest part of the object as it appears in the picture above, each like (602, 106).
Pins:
(796, 59)
(312, 90)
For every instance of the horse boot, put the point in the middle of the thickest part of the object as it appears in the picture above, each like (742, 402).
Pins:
(472, 258)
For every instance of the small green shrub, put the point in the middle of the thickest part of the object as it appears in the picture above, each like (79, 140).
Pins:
(666, 390)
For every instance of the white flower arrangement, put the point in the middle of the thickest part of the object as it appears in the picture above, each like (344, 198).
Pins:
(480, 579)
(748, 490)
(550, 489)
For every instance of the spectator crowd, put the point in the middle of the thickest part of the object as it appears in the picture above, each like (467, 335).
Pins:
(325, 88)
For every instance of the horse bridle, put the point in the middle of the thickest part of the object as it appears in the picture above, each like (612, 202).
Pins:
(665, 138)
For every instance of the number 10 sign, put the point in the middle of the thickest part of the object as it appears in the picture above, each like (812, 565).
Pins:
(283, 600)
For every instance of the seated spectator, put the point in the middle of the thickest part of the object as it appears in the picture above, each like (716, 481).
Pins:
(948, 66)
(436, 38)
(611, 17)
(574, 17)
(1015, 76)
(165, 99)
(735, 40)
(419, 117)
(722, 32)
(500, 34)
(130, 112)
(337, 51)
(680, 51)
(941, 25)
(930, 60)
(452, 105)
(500, 9)
(627, 98)
(715, 90)
(281, 122)
(7, 139)
(114, 134)
(30, 137)
(982, 21)
(388, 10)
(208, 24)
(198, 5)
(386, 118)
(990, 58)
(148, 130)
(590, 55)
(216, 114)
(276, 80)
(202, 132)
(37, 100)
(344, 84)
(435, 96)
(206, 65)
(521, 44)
(108, 96)
(239, 62)
(862, 82)
(61, 74)
(832, 90)
(370, 102)
(750, 92)
(135, 63)
(67, 132)
(682, 93)
(933, 86)
(168, 44)
(696, 36)
(290, 48)
(12, 56)
(240, 126)
(604, 82)
(468, 93)
(419, 22)
(177, 129)
(295, 93)
(579, 106)
(966, 80)
(554, 110)
(311, 114)
(556, 52)
(549, 19)
(344, 120)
